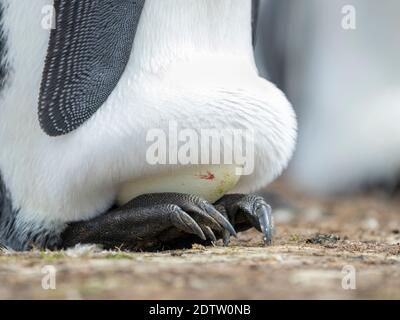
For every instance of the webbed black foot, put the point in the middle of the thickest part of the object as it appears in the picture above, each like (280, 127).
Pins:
(151, 222)
(247, 211)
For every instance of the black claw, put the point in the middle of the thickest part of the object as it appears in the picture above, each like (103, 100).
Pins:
(226, 238)
(220, 219)
(188, 224)
(246, 211)
(204, 216)
(264, 213)
(210, 234)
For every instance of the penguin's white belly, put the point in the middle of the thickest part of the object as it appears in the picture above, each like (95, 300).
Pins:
(210, 182)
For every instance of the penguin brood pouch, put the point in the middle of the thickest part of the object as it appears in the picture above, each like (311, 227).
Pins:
(90, 103)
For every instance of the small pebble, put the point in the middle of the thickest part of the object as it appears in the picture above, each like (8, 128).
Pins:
(371, 223)
(323, 238)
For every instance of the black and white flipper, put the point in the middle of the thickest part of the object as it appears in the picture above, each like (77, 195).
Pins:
(88, 51)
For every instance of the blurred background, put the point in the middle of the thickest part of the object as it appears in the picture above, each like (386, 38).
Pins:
(338, 62)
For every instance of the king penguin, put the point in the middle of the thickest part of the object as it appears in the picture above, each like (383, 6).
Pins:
(342, 72)
(78, 99)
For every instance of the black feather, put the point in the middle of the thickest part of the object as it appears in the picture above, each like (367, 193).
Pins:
(17, 236)
(254, 19)
(3, 69)
(7, 214)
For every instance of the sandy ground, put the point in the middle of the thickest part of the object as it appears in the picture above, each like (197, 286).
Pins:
(317, 243)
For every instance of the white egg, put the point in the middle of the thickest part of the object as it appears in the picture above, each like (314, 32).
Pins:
(210, 182)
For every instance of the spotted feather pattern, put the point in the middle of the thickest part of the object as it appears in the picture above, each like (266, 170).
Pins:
(87, 54)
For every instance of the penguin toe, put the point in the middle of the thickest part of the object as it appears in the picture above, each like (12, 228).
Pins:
(247, 211)
(153, 222)
(205, 214)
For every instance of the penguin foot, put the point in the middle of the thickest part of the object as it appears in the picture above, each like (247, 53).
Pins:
(245, 212)
(152, 222)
